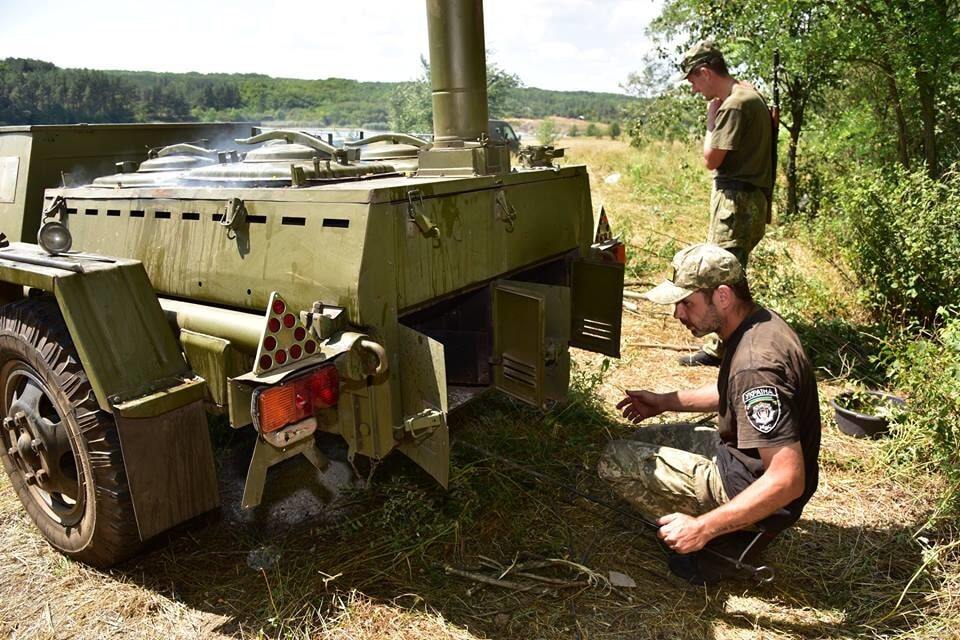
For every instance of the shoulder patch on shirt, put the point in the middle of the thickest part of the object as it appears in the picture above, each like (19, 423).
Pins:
(762, 406)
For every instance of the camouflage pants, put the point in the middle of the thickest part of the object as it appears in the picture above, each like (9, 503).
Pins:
(668, 468)
(738, 220)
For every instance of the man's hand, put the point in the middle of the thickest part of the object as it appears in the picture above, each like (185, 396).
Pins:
(640, 405)
(683, 533)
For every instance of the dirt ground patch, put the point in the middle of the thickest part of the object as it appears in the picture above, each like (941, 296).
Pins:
(375, 566)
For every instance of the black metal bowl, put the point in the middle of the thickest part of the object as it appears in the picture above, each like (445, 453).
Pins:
(862, 425)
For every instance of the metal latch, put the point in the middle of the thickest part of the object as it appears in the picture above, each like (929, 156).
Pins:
(505, 211)
(423, 423)
(56, 208)
(235, 216)
(415, 213)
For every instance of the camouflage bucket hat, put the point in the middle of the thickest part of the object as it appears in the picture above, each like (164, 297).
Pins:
(703, 51)
(701, 266)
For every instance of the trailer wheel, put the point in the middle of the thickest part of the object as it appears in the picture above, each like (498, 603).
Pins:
(60, 450)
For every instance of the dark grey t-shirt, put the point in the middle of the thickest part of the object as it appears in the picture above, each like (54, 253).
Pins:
(768, 398)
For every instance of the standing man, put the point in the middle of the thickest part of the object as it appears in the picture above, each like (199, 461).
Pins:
(737, 149)
(758, 470)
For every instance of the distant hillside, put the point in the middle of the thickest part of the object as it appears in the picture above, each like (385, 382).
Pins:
(529, 102)
(37, 92)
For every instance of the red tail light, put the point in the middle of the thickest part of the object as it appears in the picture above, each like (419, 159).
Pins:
(297, 399)
(620, 253)
(611, 251)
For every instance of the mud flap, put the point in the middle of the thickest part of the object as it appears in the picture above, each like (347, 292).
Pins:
(426, 438)
(169, 466)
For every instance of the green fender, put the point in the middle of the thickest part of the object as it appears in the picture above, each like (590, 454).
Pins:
(131, 356)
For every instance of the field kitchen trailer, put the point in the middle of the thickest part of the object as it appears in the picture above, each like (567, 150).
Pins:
(293, 286)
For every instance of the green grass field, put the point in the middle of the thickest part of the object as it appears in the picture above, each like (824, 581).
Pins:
(861, 563)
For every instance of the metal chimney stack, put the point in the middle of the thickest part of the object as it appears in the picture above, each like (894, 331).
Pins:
(458, 71)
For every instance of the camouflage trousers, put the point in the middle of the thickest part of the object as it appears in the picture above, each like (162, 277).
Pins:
(738, 220)
(668, 468)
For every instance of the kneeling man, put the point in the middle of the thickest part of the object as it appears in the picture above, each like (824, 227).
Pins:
(718, 487)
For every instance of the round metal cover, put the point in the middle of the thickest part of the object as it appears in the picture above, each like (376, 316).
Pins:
(54, 237)
(388, 151)
(283, 152)
(174, 163)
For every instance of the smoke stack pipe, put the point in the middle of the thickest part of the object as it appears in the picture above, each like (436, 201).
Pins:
(458, 70)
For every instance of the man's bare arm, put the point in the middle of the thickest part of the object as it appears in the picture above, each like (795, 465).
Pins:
(705, 398)
(782, 482)
(712, 158)
(639, 405)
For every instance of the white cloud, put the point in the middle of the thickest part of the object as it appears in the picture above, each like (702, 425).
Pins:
(554, 44)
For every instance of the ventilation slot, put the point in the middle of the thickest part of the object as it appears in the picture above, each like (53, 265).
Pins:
(519, 372)
(190, 215)
(113, 213)
(256, 219)
(292, 221)
(336, 223)
(71, 212)
(218, 217)
(597, 330)
(90, 212)
(136, 213)
(161, 215)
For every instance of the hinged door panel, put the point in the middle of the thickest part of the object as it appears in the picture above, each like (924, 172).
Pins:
(531, 361)
(425, 438)
(597, 306)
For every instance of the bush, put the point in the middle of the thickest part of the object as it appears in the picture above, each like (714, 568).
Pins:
(547, 132)
(777, 283)
(674, 115)
(592, 130)
(900, 231)
(926, 367)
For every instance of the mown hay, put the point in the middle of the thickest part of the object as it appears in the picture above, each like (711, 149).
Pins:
(377, 570)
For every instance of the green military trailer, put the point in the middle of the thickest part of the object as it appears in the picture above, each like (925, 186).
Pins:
(289, 285)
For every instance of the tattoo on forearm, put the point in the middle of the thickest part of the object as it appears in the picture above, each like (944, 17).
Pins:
(727, 528)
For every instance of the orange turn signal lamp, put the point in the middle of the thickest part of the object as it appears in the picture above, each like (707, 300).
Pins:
(296, 399)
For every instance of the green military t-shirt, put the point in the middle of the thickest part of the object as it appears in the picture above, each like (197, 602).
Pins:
(768, 398)
(743, 128)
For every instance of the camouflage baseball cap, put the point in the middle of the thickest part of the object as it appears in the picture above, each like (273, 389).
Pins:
(703, 51)
(701, 266)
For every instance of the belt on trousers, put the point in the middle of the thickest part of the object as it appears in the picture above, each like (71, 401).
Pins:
(724, 184)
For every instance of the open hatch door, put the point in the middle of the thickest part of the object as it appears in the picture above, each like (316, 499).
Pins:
(597, 305)
(531, 332)
(424, 394)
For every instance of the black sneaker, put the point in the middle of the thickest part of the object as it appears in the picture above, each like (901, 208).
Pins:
(699, 359)
(701, 569)
(705, 568)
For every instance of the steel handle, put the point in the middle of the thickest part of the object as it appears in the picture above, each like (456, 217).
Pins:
(377, 349)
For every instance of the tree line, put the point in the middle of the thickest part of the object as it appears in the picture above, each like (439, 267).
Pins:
(872, 82)
(38, 92)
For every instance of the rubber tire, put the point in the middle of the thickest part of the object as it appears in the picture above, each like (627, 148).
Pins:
(33, 332)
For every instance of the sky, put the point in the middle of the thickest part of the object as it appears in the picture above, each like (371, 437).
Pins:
(567, 45)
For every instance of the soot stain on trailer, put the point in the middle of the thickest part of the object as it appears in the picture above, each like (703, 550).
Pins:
(296, 493)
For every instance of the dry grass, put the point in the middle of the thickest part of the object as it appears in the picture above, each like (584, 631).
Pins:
(854, 567)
